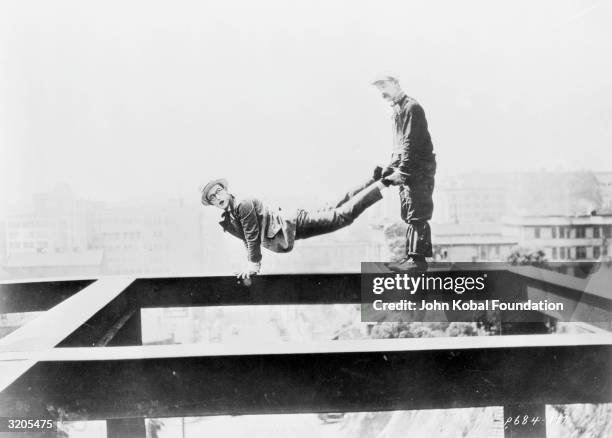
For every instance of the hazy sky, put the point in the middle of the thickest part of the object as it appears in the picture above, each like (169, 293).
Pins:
(148, 99)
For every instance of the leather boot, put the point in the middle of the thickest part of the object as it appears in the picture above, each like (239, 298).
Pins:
(412, 264)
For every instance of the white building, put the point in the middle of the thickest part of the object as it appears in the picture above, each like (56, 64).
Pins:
(457, 202)
(488, 197)
(53, 222)
(38, 265)
(49, 236)
(141, 238)
(471, 242)
(562, 238)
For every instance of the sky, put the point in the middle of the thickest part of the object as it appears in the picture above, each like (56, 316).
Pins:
(147, 100)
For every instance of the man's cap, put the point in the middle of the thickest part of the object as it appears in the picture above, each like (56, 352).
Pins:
(204, 189)
(383, 79)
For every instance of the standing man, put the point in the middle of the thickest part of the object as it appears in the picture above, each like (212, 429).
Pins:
(412, 168)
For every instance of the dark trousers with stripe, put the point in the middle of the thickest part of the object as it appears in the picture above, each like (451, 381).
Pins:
(417, 209)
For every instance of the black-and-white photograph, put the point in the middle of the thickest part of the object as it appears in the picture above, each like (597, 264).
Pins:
(338, 218)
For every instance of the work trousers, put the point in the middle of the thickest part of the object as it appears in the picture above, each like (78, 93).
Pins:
(417, 208)
(312, 223)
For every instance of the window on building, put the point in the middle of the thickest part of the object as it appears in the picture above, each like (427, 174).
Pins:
(607, 231)
(554, 253)
(536, 232)
(596, 252)
(562, 254)
(553, 231)
(580, 232)
(562, 232)
(596, 233)
(581, 252)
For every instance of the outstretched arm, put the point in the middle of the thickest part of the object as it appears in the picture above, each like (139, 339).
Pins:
(252, 237)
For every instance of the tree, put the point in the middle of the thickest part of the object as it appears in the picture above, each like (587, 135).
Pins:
(395, 237)
(528, 256)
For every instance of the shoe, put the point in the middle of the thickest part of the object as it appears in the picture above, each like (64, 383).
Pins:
(410, 264)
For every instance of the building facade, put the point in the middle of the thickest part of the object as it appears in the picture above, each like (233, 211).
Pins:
(564, 238)
(604, 185)
(140, 238)
(56, 234)
(53, 222)
(471, 242)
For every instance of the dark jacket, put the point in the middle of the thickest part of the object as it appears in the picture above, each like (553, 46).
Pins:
(412, 146)
(257, 225)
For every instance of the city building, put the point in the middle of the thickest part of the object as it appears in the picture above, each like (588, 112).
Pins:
(488, 197)
(474, 198)
(74, 264)
(50, 236)
(471, 242)
(604, 185)
(53, 222)
(56, 234)
(564, 238)
(148, 238)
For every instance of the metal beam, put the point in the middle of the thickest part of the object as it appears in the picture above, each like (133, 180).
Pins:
(335, 376)
(52, 327)
(37, 296)
(266, 289)
(346, 288)
(126, 428)
(117, 323)
(299, 289)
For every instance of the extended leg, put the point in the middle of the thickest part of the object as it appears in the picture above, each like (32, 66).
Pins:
(376, 175)
(348, 195)
(315, 223)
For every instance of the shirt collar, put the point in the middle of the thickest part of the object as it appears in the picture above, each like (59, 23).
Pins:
(396, 104)
(230, 212)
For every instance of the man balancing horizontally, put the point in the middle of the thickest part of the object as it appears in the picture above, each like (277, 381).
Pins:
(258, 225)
